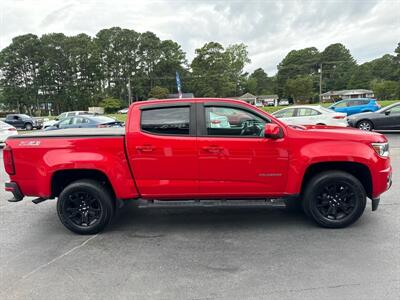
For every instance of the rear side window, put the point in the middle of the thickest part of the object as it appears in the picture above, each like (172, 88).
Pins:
(173, 120)
(303, 112)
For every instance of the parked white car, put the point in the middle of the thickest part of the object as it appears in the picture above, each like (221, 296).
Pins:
(123, 111)
(6, 130)
(64, 115)
(311, 115)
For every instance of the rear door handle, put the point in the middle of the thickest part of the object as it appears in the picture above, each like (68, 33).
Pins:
(212, 149)
(145, 148)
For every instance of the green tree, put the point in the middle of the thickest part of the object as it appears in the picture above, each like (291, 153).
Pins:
(297, 62)
(19, 65)
(158, 92)
(337, 66)
(386, 89)
(216, 71)
(263, 84)
(111, 105)
(361, 77)
(300, 89)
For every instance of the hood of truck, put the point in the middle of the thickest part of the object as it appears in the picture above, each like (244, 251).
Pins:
(335, 133)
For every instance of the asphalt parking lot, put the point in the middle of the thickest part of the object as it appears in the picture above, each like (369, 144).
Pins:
(202, 253)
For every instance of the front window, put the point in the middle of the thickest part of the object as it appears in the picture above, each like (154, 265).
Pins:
(341, 104)
(227, 121)
(285, 113)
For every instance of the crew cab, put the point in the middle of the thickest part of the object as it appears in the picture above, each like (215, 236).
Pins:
(24, 121)
(186, 149)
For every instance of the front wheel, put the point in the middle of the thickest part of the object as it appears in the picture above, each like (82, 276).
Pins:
(334, 199)
(28, 126)
(85, 207)
(365, 125)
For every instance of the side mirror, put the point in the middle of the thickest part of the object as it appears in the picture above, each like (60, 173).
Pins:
(387, 112)
(273, 131)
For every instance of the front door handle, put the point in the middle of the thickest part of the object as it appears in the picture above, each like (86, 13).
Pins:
(145, 148)
(213, 149)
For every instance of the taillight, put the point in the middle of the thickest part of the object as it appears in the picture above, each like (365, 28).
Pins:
(8, 160)
(339, 117)
(102, 126)
(12, 129)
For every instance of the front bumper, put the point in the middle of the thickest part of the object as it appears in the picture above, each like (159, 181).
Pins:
(14, 189)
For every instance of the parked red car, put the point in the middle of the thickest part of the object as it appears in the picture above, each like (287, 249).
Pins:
(173, 150)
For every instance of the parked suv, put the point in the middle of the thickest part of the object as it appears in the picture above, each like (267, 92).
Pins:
(64, 115)
(24, 121)
(355, 106)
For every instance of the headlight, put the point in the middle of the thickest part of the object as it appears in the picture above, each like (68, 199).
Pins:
(381, 148)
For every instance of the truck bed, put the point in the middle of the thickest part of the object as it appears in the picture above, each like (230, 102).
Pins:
(74, 132)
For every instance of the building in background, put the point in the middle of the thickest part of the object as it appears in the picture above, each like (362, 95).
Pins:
(184, 95)
(260, 100)
(333, 96)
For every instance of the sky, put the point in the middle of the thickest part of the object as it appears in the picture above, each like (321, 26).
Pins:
(270, 29)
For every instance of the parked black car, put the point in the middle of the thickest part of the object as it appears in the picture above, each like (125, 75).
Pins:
(24, 121)
(387, 118)
(85, 122)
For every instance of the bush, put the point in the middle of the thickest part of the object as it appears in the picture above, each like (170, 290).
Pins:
(158, 92)
(110, 105)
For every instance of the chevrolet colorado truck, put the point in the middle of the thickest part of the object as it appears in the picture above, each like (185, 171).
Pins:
(186, 149)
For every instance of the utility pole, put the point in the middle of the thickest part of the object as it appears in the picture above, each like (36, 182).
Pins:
(129, 91)
(320, 82)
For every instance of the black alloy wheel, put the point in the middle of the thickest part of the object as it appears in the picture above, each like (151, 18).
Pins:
(85, 207)
(334, 199)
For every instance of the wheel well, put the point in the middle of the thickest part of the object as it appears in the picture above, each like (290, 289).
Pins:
(358, 170)
(63, 178)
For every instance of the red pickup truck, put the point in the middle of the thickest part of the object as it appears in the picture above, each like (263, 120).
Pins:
(186, 149)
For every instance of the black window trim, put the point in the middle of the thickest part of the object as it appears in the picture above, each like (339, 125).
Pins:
(202, 124)
(192, 117)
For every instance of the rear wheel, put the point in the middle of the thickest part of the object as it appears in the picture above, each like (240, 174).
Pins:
(334, 199)
(85, 207)
(365, 125)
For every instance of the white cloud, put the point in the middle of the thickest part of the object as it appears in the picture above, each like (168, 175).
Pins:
(270, 28)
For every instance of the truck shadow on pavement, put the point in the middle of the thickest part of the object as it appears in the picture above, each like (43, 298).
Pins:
(220, 217)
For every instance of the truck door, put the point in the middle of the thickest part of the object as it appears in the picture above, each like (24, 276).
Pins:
(237, 160)
(162, 150)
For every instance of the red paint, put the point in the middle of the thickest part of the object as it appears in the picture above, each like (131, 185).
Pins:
(187, 167)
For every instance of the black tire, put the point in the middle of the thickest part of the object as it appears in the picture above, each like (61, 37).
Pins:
(365, 125)
(28, 126)
(334, 199)
(85, 207)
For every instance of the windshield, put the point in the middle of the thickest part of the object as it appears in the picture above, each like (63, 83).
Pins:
(388, 107)
(102, 119)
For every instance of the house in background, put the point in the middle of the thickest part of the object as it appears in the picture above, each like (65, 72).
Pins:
(333, 96)
(184, 95)
(260, 100)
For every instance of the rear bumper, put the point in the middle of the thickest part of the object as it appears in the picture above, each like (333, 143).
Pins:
(14, 189)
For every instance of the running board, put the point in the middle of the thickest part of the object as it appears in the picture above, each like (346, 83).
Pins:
(210, 203)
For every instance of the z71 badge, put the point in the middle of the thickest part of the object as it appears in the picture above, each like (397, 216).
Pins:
(29, 143)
